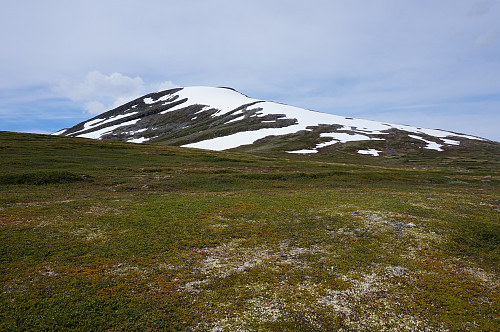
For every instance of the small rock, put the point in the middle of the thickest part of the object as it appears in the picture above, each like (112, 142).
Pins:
(217, 329)
(396, 271)
(398, 225)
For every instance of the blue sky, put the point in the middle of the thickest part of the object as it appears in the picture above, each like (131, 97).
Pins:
(433, 64)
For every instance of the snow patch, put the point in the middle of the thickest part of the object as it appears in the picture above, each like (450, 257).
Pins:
(241, 117)
(450, 141)
(117, 117)
(59, 132)
(303, 151)
(241, 138)
(430, 145)
(99, 122)
(91, 123)
(372, 152)
(140, 130)
(98, 133)
(150, 100)
(224, 100)
(344, 138)
(138, 140)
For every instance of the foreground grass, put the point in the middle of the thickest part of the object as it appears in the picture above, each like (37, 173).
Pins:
(99, 235)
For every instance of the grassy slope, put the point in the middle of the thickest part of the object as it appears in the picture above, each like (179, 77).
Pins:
(108, 235)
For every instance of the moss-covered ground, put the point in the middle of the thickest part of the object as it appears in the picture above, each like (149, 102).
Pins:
(99, 235)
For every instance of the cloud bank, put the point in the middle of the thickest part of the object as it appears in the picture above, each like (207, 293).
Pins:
(99, 93)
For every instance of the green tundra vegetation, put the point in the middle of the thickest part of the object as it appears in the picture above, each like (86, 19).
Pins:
(101, 235)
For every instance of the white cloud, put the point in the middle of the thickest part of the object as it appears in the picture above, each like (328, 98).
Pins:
(99, 93)
(95, 107)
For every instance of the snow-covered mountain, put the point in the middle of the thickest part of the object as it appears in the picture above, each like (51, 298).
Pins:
(222, 118)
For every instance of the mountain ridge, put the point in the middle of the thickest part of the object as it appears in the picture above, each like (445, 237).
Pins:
(224, 119)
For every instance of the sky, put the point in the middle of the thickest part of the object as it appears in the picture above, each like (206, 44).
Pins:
(427, 63)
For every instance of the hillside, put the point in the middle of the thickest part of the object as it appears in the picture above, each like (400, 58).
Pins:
(224, 119)
(109, 235)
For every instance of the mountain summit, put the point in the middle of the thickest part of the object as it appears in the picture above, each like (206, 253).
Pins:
(222, 118)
